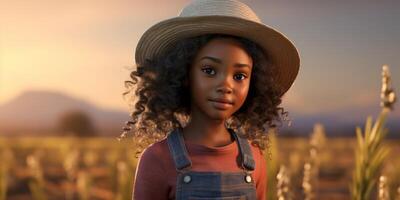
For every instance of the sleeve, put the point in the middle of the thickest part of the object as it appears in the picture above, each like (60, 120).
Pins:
(149, 175)
(261, 183)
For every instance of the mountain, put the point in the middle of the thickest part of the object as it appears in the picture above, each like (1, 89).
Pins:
(40, 111)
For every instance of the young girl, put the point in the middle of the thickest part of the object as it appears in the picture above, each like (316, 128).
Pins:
(208, 86)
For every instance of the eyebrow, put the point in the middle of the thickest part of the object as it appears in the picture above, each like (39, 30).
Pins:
(220, 62)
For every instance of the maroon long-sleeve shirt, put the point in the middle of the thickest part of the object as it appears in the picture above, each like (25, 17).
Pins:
(155, 177)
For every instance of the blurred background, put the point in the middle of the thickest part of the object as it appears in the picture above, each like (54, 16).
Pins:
(63, 65)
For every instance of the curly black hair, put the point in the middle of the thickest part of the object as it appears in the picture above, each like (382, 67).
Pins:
(162, 101)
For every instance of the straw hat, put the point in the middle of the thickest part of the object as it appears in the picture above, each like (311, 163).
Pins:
(225, 17)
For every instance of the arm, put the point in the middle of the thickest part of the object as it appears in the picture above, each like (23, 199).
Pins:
(150, 180)
(261, 183)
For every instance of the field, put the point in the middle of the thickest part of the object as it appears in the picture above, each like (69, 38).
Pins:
(103, 168)
(336, 166)
(67, 168)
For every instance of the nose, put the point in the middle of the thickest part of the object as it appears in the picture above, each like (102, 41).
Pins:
(225, 90)
(225, 85)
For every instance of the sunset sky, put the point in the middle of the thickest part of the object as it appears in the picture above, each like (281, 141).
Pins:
(85, 48)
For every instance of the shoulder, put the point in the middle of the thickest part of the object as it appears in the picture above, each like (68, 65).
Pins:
(258, 156)
(157, 157)
(257, 152)
(152, 172)
(156, 151)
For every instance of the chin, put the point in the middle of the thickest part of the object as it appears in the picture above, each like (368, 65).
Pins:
(219, 115)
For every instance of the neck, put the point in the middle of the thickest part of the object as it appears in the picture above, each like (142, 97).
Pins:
(206, 131)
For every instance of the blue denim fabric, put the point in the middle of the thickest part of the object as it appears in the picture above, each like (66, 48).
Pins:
(194, 185)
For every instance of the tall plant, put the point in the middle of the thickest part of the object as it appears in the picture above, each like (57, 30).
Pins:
(272, 163)
(37, 183)
(7, 161)
(370, 153)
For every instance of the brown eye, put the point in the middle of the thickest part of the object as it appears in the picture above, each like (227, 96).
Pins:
(208, 70)
(240, 77)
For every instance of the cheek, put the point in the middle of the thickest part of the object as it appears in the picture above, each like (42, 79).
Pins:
(242, 94)
(197, 85)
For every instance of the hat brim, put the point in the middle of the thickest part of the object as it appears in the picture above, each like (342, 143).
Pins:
(279, 49)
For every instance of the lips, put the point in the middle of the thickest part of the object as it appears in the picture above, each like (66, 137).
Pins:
(220, 100)
(221, 104)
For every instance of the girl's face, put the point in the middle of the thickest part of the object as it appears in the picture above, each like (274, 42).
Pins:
(219, 78)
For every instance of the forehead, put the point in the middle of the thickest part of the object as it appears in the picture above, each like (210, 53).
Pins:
(226, 49)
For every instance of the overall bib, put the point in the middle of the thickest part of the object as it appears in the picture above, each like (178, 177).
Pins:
(207, 185)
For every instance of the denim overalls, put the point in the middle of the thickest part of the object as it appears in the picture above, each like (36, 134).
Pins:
(194, 185)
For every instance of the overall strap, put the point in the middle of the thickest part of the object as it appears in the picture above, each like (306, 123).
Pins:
(178, 150)
(245, 152)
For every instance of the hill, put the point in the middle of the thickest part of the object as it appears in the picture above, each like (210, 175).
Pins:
(38, 111)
